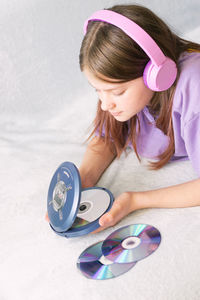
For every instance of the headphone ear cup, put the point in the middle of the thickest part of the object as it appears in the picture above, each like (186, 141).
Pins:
(160, 78)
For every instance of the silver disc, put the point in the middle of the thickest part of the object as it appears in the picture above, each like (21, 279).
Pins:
(131, 243)
(94, 265)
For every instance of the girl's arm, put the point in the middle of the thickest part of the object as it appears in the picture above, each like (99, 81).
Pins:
(181, 195)
(177, 196)
(96, 159)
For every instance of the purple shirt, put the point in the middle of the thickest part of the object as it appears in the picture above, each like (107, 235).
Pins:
(185, 117)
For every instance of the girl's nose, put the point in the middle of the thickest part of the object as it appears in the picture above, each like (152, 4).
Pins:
(106, 103)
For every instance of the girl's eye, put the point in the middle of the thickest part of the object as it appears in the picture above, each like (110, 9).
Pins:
(119, 93)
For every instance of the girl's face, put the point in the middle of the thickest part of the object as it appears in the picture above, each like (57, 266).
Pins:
(122, 100)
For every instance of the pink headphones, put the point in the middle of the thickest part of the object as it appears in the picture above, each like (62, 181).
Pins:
(160, 72)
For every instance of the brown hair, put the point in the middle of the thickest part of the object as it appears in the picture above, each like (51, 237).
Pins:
(108, 52)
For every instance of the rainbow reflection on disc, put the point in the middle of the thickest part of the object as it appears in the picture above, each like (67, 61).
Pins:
(79, 223)
(131, 243)
(94, 265)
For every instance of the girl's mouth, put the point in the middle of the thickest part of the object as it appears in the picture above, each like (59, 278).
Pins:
(116, 114)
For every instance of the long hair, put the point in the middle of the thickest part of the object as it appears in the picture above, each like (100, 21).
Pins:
(108, 52)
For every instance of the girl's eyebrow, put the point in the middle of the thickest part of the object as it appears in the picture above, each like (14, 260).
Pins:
(106, 89)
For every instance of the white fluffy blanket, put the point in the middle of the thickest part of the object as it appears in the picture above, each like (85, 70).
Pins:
(36, 264)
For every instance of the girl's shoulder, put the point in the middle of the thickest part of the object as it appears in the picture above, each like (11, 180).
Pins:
(189, 64)
(186, 98)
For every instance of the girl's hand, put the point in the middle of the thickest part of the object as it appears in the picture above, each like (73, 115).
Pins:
(122, 206)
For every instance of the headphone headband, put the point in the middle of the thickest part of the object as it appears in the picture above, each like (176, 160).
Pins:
(160, 72)
(134, 31)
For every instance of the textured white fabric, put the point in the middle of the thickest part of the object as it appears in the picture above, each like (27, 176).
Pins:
(35, 263)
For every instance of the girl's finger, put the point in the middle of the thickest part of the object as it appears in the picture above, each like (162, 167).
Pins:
(47, 217)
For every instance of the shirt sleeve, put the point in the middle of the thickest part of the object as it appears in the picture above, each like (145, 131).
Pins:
(192, 141)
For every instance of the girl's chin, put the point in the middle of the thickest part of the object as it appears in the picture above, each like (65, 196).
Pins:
(122, 118)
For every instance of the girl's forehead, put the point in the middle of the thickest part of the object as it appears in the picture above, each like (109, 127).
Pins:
(104, 83)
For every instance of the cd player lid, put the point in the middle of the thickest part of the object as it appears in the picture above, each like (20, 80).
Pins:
(64, 196)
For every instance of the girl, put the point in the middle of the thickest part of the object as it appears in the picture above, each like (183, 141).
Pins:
(159, 122)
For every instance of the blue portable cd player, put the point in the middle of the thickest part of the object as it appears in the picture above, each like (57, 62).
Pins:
(74, 211)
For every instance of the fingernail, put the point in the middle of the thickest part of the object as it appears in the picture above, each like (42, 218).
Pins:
(101, 223)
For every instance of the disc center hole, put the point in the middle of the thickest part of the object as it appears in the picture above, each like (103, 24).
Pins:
(131, 242)
(105, 261)
(82, 207)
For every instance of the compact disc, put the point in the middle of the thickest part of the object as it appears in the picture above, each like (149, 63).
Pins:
(93, 204)
(131, 243)
(94, 265)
